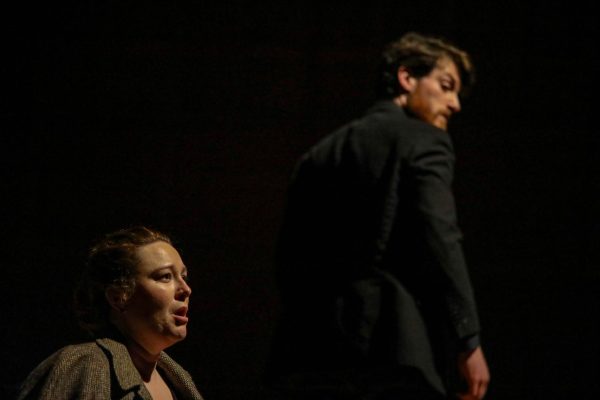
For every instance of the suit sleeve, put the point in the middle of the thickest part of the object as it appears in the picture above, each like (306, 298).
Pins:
(432, 163)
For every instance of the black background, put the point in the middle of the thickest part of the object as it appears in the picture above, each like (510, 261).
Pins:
(189, 118)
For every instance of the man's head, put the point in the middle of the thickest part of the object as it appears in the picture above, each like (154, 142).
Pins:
(425, 75)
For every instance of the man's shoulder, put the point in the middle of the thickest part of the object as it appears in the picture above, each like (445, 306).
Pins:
(388, 124)
(383, 129)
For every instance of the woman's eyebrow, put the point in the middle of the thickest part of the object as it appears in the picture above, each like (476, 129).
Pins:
(172, 267)
(164, 267)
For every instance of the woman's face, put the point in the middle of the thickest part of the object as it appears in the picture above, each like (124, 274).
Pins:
(155, 316)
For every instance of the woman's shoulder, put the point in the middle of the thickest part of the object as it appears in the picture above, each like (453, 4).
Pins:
(74, 355)
(64, 370)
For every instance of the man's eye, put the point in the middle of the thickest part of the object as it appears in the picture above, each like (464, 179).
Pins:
(447, 86)
(185, 277)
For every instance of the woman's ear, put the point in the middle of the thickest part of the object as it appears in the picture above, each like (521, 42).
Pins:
(116, 298)
(406, 80)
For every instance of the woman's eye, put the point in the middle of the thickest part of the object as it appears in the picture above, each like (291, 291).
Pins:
(165, 277)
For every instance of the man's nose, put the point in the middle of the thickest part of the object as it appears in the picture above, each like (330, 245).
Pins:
(454, 103)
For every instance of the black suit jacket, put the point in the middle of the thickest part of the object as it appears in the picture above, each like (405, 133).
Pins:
(371, 268)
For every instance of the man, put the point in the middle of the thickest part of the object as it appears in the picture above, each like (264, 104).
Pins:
(377, 302)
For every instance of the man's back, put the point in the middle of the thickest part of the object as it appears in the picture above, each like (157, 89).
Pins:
(375, 291)
(351, 242)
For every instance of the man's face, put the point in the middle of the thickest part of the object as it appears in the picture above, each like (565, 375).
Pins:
(434, 98)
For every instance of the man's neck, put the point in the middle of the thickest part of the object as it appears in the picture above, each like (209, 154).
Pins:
(400, 101)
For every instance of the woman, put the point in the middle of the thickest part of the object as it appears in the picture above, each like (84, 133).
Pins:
(133, 299)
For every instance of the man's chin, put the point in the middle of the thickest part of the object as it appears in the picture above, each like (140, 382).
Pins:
(441, 123)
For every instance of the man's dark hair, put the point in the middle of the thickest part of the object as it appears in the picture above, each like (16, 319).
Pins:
(419, 54)
(112, 263)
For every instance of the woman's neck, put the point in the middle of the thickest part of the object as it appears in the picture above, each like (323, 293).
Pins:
(143, 360)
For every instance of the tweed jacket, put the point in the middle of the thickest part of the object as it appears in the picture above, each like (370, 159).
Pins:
(101, 370)
(370, 263)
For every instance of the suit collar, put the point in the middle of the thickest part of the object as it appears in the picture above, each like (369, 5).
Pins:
(386, 105)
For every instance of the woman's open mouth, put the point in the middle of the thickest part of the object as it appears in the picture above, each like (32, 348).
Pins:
(180, 315)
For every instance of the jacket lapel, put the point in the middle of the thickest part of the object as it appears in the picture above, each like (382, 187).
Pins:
(126, 374)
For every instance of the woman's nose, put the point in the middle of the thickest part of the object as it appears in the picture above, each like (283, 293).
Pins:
(184, 290)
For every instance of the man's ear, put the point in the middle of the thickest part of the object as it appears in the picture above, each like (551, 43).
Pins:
(406, 80)
(116, 298)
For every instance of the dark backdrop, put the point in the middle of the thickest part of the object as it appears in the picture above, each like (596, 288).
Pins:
(189, 118)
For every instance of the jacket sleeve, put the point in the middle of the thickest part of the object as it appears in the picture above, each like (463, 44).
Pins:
(431, 165)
